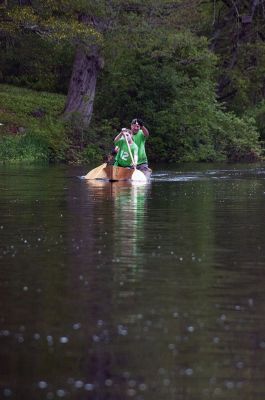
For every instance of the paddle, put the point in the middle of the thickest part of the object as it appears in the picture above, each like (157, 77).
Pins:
(97, 173)
(137, 175)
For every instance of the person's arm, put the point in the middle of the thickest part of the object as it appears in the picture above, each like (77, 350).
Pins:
(144, 129)
(118, 137)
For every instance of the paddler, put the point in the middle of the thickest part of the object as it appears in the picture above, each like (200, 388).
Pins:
(139, 134)
(123, 157)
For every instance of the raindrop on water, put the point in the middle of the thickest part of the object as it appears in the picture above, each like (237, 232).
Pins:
(142, 387)
(20, 339)
(189, 371)
(240, 365)
(60, 393)
(229, 384)
(36, 336)
(89, 387)
(64, 339)
(96, 338)
(79, 384)
(217, 392)
(7, 392)
(42, 385)
(251, 302)
(50, 340)
(5, 332)
(131, 392)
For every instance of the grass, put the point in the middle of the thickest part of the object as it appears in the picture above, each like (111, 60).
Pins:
(31, 127)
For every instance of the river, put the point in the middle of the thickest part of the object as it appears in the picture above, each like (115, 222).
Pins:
(120, 291)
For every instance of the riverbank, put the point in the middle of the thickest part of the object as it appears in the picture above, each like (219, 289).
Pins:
(32, 130)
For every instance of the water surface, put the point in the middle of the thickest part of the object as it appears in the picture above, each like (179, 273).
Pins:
(116, 291)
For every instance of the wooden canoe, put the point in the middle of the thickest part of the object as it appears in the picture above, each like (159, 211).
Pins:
(113, 173)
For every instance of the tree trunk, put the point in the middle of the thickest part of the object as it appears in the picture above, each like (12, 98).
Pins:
(81, 92)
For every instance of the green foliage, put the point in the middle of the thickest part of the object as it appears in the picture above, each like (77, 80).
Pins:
(21, 102)
(156, 67)
(90, 144)
(36, 64)
(26, 148)
(172, 87)
(54, 20)
(247, 77)
(237, 139)
(91, 153)
(258, 114)
(32, 128)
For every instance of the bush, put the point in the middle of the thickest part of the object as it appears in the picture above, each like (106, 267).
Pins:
(32, 127)
(22, 148)
(91, 153)
(236, 138)
(171, 85)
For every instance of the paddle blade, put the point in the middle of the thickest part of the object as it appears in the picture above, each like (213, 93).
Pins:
(97, 173)
(138, 176)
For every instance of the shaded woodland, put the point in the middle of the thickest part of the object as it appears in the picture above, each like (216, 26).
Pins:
(192, 70)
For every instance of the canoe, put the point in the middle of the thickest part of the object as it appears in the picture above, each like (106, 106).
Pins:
(112, 173)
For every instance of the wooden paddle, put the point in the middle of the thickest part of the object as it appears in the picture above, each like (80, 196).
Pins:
(137, 175)
(97, 173)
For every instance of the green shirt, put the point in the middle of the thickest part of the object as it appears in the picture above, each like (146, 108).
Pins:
(123, 158)
(139, 138)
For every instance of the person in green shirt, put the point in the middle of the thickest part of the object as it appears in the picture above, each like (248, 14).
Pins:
(123, 157)
(140, 134)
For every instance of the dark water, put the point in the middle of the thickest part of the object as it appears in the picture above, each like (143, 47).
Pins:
(119, 291)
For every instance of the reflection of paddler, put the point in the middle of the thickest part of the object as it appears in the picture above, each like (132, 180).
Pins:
(128, 224)
(127, 155)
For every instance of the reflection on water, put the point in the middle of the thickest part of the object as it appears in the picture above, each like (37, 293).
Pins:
(116, 291)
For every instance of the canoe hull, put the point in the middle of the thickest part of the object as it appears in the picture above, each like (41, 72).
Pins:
(113, 173)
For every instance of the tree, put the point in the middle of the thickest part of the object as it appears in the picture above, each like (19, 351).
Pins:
(62, 21)
(92, 27)
(238, 37)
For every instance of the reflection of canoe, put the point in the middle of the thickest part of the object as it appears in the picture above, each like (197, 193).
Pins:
(113, 173)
